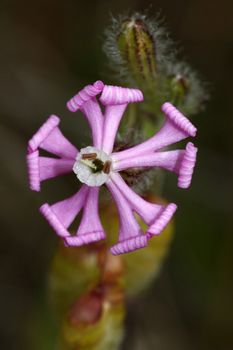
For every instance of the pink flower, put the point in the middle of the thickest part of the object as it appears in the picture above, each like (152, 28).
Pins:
(97, 165)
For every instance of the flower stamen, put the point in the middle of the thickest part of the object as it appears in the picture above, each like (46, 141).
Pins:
(106, 167)
(89, 156)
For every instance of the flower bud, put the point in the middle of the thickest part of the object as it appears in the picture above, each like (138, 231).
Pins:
(179, 89)
(140, 49)
(136, 45)
(186, 91)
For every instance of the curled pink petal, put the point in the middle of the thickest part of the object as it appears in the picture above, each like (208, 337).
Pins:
(178, 119)
(93, 113)
(147, 211)
(176, 128)
(84, 95)
(187, 166)
(129, 245)
(116, 99)
(156, 216)
(43, 133)
(60, 215)
(53, 220)
(33, 171)
(78, 241)
(43, 168)
(181, 162)
(51, 167)
(166, 160)
(116, 95)
(85, 101)
(158, 226)
(131, 237)
(50, 138)
(113, 115)
(90, 228)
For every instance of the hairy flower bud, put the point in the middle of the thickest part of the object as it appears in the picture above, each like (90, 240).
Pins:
(179, 88)
(141, 50)
(137, 48)
(186, 90)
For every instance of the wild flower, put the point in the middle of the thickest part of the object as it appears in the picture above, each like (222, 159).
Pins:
(98, 165)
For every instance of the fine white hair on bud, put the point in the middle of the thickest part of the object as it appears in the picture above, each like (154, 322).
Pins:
(92, 166)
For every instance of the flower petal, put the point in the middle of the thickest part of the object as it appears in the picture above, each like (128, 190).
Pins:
(113, 116)
(90, 228)
(116, 99)
(181, 162)
(60, 215)
(176, 128)
(84, 95)
(33, 171)
(156, 216)
(185, 127)
(131, 237)
(85, 101)
(51, 167)
(116, 95)
(166, 160)
(43, 168)
(159, 224)
(50, 138)
(186, 166)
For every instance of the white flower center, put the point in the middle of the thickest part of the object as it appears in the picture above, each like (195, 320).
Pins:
(92, 166)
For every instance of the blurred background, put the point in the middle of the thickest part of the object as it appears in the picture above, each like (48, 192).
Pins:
(48, 50)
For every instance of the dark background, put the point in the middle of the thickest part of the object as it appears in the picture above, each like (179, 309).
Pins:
(48, 50)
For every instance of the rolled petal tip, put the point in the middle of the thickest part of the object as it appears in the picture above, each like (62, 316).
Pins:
(43, 133)
(178, 119)
(77, 241)
(99, 85)
(187, 166)
(49, 138)
(33, 171)
(158, 226)
(129, 245)
(53, 220)
(116, 95)
(84, 95)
